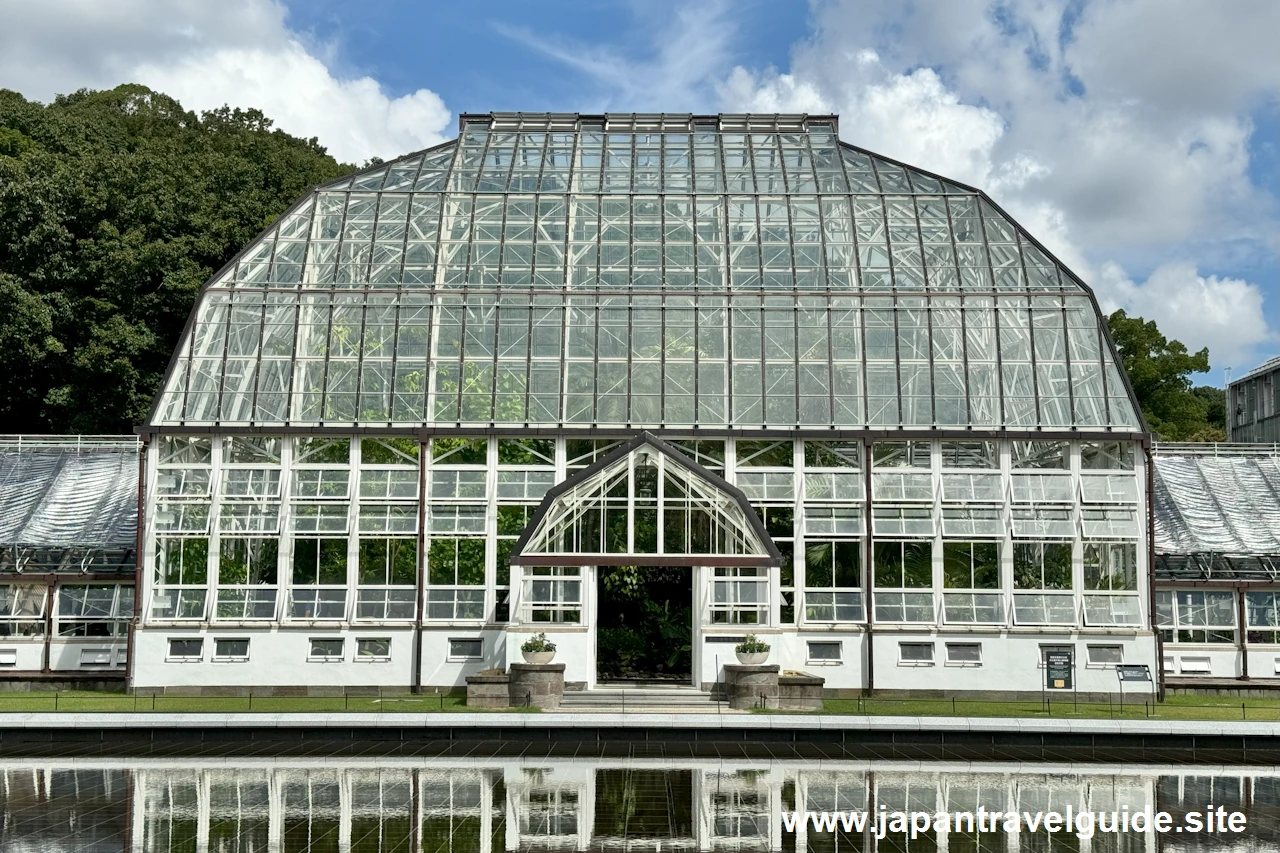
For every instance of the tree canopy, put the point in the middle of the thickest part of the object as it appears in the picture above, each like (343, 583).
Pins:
(1160, 371)
(115, 207)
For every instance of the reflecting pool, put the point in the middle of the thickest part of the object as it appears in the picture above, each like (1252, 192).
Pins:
(433, 806)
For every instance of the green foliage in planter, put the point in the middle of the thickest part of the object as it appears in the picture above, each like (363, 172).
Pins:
(752, 645)
(537, 643)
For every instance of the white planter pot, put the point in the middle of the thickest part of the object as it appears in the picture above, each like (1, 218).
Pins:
(752, 658)
(538, 657)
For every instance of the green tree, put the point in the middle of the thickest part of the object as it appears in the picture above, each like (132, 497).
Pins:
(1160, 371)
(115, 207)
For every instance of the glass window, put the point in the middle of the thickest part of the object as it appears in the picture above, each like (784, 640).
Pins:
(1196, 616)
(1041, 565)
(373, 649)
(917, 654)
(186, 649)
(971, 565)
(965, 654)
(1106, 455)
(1262, 615)
(1051, 455)
(901, 454)
(970, 454)
(326, 649)
(765, 454)
(230, 649)
(903, 565)
(1105, 655)
(467, 648)
(833, 454)
(824, 652)
(1111, 566)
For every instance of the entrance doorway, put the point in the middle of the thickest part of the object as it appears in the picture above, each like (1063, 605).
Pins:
(644, 624)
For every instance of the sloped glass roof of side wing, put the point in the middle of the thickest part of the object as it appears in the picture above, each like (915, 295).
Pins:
(647, 272)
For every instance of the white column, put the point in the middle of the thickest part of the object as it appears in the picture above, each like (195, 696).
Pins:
(486, 813)
(513, 785)
(344, 812)
(275, 812)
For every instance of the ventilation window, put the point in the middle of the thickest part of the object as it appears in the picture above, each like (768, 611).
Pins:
(964, 654)
(186, 650)
(825, 652)
(231, 650)
(8, 657)
(1105, 655)
(373, 649)
(95, 657)
(915, 654)
(466, 648)
(326, 649)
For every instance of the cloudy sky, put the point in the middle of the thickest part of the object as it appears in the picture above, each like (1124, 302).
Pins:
(1136, 138)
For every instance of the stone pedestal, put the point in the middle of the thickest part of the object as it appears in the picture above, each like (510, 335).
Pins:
(751, 686)
(800, 692)
(536, 685)
(488, 691)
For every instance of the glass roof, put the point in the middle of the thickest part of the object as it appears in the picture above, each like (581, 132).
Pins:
(63, 491)
(646, 271)
(1209, 504)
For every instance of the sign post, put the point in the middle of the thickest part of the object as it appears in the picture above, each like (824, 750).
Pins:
(1139, 672)
(1059, 672)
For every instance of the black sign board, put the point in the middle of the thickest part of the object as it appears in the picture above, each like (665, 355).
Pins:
(1133, 672)
(1059, 668)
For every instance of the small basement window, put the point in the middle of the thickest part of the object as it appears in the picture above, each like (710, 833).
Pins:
(326, 649)
(95, 657)
(466, 648)
(371, 649)
(8, 657)
(915, 654)
(964, 654)
(825, 651)
(1197, 666)
(231, 650)
(1105, 655)
(186, 650)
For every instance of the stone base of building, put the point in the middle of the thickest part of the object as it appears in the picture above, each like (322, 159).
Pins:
(536, 685)
(489, 690)
(60, 682)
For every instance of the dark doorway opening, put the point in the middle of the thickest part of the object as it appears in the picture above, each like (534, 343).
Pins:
(644, 624)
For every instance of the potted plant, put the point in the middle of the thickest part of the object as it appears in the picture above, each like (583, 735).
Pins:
(752, 650)
(538, 649)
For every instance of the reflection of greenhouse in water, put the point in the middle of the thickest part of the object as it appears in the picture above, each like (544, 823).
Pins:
(284, 806)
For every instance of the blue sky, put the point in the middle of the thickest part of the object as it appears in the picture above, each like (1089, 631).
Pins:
(1139, 139)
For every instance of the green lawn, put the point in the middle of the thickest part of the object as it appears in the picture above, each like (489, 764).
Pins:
(1173, 708)
(84, 700)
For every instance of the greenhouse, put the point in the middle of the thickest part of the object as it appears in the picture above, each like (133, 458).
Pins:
(646, 384)
(1217, 567)
(69, 534)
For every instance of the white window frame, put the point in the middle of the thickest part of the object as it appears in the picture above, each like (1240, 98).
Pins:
(312, 657)
(381, 658)
(170, 657)
(905, 661)
(229, 658)
(821, 661)
(1094, 663)
(454, 656)
(953, 661)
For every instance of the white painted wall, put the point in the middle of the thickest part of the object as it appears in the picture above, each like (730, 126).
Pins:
(1010, 662)
(276, 659)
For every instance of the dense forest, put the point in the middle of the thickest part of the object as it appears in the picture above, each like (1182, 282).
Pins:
(116, 206)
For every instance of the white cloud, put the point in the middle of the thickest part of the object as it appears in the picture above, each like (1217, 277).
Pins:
(240, 53)
(1223, 314)
(1120, 139)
